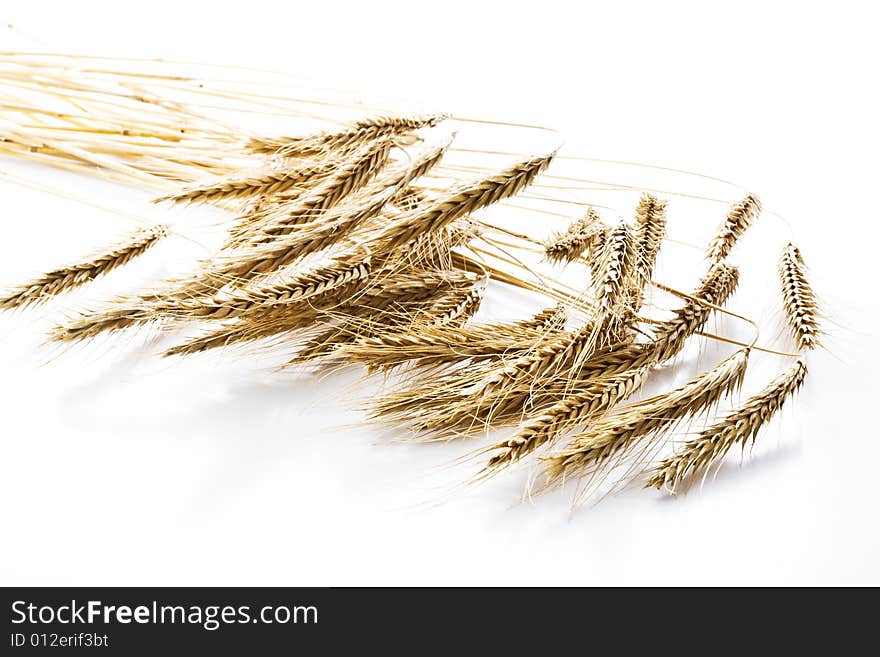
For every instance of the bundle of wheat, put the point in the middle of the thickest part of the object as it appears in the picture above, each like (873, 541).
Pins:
(367, 242)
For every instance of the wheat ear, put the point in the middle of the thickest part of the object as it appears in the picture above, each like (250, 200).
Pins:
(596, 249)
(798, 299)
(554, 364)
(354, 135)
(549, 356)
(349, 177)
(432, 345)
(578, 408)
(309, 285)
(615, 433)
(715, 288)
(554, 368)
(73, 276)
(264, 322)
(267, 252)
(738, 219)
(327, 230)
(497, 392)
(649, 235)
(616, 264)
(698, 455)
(315, 236)
(612, 302)
(409, 198)
(456, 309)
(445, 310)
(670, 336)
(259, 184)
(570, 245)
(549, 319)
(466, 199)
(287, 211)
(502, 390)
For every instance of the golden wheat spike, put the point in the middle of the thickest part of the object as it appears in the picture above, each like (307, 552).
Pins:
(799, 300)
(351, 176)
(712, 444)
(267, 183)
(617, 432)
(591, 401)
(463, 200)
(73, 276)
(649, 235)
(737, 221)
(570, 245)
(352, 136)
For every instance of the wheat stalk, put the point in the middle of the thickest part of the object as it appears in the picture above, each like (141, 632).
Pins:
(713, 443)
(73, 276)
(798, 299)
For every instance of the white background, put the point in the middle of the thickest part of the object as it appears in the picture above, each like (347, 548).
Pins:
(120, 468)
